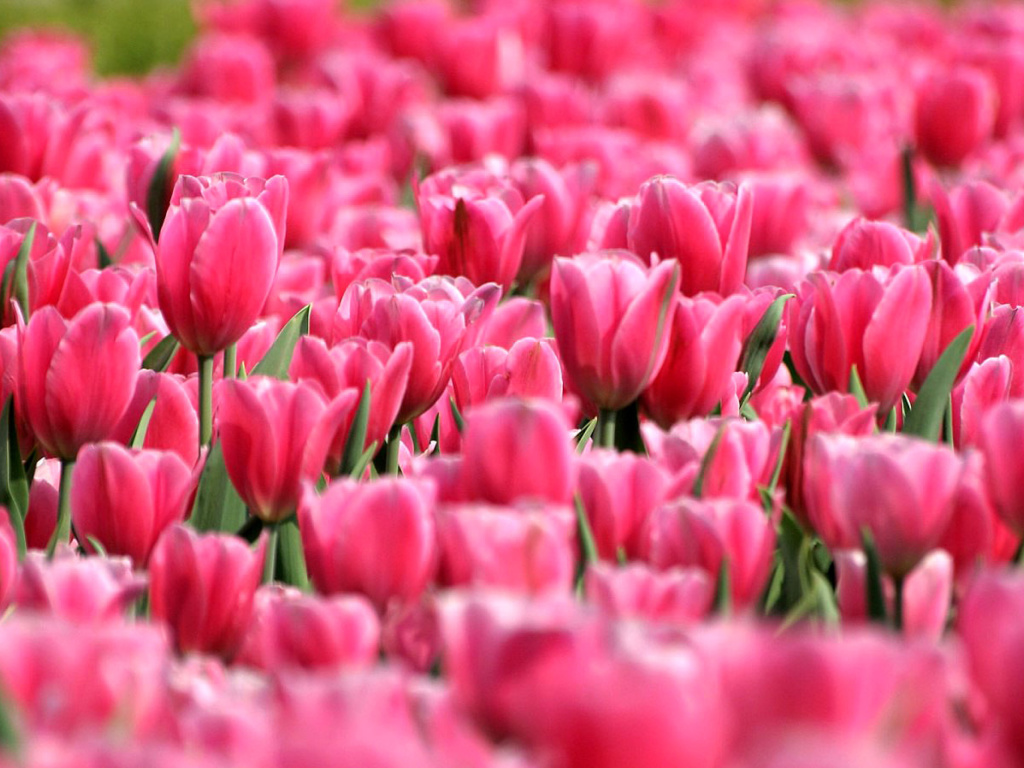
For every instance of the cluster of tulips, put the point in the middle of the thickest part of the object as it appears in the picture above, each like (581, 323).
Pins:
(569, 384)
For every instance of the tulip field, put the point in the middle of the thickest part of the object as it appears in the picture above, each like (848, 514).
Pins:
(519, 384)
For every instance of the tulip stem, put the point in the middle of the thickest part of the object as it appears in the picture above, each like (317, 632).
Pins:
(394, 443)
(63, 529)
(897, 603)
(205, 401)
(606, 428)
(270, 559)
(231, 361)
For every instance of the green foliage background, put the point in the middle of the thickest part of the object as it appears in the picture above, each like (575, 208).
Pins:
(126, 36)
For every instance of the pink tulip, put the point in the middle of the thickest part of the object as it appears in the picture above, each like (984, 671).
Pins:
(514, 450)
(525, 550)
(80, 591)
(218, 255)
(8, 559)
(125, 499)
(351, 365)
(435, 315)
(955, 113)
(618, 492)
(63, 398)
(1003, 337)
(837, 322)
(781, 204)
(529, 369)
(635, 591)
(174, 422)
(706, 228)
(714, 535)
(291, 630)
(863, 244)
(375, 538)
(476, 223)
(18, 198)
(43, 501)
(202, 586)
(514, 319)
(986, 384)
(899, 488)
(611, 321)
(927, 592)
(231, 68)
(1002, 427)
(965, 213)
(705, 340)
(275, 436)
(48, 266)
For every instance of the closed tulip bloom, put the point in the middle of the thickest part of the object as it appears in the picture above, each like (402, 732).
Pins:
(637, 591)
(517, 449)
(705, 341)
(955, 112)
(276, 435)
(863, 244)
(291, 630)
(901, 489)
(965, 214)
(174, 422)
(202, 586)
(837, 322)
(611, 318)
(712, 535)
(530, 369)
(75, 589)
(1002, 429)
(526, 550)
(125, 499)
(705, 227)
(65, 399)
(217, 257)
(377, 538)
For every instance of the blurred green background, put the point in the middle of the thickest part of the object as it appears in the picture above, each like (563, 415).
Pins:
(126, 36)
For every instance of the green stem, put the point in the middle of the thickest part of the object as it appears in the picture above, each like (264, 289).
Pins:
(231, 361)
(270, 561)
(606, 428)
(63, 529)
(205, 401)
(897, 604)
(394, 443)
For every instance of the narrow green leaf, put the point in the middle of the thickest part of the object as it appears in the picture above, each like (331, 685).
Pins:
(705, 463)
(791, 538)
(891, 420)
(10, 738)
(587, 544)
(145, 339)
(97, 545)
(947, 422)
(158, 194)
(357, 434)
(873, 580)
(139, 436)
(13, 483)
(20, 278)
(857, 387)
(585, 434)
(103, 258)
(160, 356)
(456, 415)
(825, 599)
(723, 590)
(787, 430)
(759, 342)
(926, 417)
(435, 435)
(275, 363)
(364, 461)
(291, 563)
(747, 412)
(774, 591)
(218, 507)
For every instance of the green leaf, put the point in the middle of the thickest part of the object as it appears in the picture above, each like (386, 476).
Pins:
(947, 423)
(157, 196)
(587, 544)
(10, 738)
(139, 436)
(20, 276)
(13, 483)
(759, 342)
(435, 435)
(364, 461)
(218, 507)
(103, 258)
(723, 591)
(825, 599)
(275, 363)
(357, 434)
(787, 430)
(705, 463)
(97, 545)
(585, 434)
(791, 541)
(291, 563)
(774, 591)
(857, 387)
(456, 415)
(160, 356)
(891, 420)
(926, 417)
(873, 579)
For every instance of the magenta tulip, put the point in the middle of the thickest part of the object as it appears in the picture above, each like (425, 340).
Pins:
(276, 435)
(611, 318)
(377, 538)
(955, 112)
(202, 586)
(125, 499)
(217, 257)
(66, 400)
